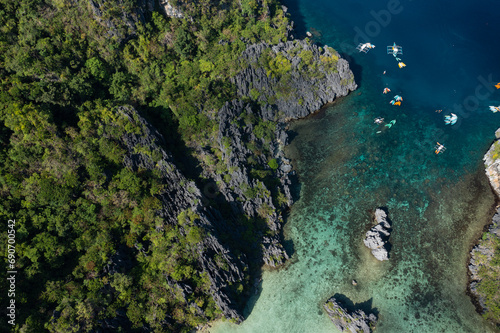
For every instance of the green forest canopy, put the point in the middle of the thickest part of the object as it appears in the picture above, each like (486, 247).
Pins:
(64, 71)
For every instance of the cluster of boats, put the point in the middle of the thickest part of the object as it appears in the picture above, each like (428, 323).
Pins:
(396, 51)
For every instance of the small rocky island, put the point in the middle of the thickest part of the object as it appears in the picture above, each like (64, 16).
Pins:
(377, 238)
(349, 321)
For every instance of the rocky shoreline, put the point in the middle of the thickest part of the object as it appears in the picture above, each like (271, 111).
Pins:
(484, 264)
(237, 188)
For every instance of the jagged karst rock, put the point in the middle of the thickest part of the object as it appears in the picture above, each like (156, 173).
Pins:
(309, 95)
(377, 237)
(274, 254)
(347, 321)
(145, 152)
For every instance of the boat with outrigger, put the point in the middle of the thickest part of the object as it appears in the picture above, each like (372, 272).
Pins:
(365, 47)
(395, 50)
(439, 148)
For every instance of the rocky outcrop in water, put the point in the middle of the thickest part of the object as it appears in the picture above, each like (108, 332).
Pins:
(377, 238)
(349, 321)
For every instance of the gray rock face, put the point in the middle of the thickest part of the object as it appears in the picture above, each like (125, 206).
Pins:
(308, 92)
(377, 237)
(170, 10)
(145, 152)
(307, 95)
(345, 321)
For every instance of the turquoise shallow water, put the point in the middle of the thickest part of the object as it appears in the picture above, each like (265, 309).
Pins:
(438, 203)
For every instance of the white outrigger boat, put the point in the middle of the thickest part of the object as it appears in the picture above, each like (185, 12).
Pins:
(395, 50)
(439, 148)
(365, 47)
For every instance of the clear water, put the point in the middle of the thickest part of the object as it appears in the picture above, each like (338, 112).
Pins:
(438, 203)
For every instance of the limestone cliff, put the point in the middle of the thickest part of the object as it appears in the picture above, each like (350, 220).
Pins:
(146, 153)
(484, 267)
(277, 97)
(492, 164)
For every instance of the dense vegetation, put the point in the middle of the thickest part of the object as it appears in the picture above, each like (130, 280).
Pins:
(488, 286)
(66, 67)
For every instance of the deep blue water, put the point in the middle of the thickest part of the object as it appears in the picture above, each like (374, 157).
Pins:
(438, 203)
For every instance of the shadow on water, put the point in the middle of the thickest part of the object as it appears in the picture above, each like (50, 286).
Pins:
(289, 247)
(366, 306)
(252, 300)
(356, 69)
(299, 25)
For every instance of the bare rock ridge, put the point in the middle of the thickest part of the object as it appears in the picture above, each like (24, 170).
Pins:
(377, 238)
(349, 321)
(145, 152)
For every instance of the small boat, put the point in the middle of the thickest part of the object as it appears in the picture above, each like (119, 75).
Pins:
(397, 100)
(394, 49)
(450, 119)
(379, 120)
(365, 47)
(391, 123)
(439, 148)
(494, 108)
(386, 90)
(401, 64)
(497, 85)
